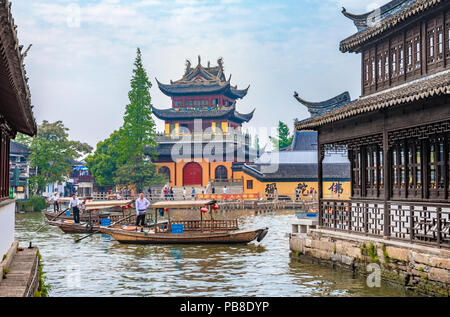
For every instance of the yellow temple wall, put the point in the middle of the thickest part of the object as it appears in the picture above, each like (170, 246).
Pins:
(176, 170)
(331, 189)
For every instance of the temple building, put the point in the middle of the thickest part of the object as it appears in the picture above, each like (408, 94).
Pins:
(203, 135)
(397, 134)
(292, 172)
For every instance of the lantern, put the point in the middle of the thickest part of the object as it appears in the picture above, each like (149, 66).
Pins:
(204, 210)
(215, 207)
(166, 209)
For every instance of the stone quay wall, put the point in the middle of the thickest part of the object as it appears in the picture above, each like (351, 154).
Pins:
(420, 268)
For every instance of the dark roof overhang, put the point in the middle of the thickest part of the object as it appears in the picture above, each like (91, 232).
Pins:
(380, 21)
(434, 85)
(223, 113)
(16, 111)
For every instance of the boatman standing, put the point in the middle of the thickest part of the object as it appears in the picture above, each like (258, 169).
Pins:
(54, 199)
(141, 208)
(75, 211)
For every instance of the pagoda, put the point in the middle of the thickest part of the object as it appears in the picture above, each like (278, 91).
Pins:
(203, 116)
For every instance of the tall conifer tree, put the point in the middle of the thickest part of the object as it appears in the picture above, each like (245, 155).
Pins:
(138, 131)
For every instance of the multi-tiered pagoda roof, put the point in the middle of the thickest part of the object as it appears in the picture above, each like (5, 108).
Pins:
(217, 114)
(203, 82)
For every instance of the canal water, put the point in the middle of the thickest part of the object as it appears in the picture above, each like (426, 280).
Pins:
(99, 266)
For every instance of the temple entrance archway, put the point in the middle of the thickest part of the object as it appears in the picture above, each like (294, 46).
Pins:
(164, 171)
(221, 172)
(192, 174)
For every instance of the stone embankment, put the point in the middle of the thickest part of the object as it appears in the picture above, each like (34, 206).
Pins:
(418, 267)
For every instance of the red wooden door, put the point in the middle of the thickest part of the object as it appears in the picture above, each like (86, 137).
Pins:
(192, 174)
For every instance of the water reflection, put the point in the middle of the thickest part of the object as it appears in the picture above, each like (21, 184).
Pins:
(108, 268)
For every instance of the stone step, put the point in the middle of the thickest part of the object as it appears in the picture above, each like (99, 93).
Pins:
(13, 282)
(12, 291)
(19, 267)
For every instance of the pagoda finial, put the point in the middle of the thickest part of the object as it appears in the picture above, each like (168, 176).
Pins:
(199, 60)
(188, 66)
(209, 64)
(220, 63)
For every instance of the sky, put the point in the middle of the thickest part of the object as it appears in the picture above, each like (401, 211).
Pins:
(81, 60)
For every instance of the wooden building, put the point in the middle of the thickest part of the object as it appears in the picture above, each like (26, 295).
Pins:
(397, 134)
(15, 115)
(203, 130)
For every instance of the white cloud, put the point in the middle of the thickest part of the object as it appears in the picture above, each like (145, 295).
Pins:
(81, 74)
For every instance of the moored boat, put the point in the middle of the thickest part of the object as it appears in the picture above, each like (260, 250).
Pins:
(91, 219)
(69, 226)
(203, 231)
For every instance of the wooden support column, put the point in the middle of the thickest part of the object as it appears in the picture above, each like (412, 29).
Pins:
(320, 156)
(425, 166)
(387, 182)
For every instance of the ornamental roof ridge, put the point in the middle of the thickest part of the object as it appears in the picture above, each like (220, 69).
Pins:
(433, 85)
(383, 19)
(200, 80)
(318, 108)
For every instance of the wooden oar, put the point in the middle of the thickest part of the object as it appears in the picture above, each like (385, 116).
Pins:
(52, 220)
(97, 231)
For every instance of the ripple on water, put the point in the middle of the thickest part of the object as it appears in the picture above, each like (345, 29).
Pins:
(99, 266)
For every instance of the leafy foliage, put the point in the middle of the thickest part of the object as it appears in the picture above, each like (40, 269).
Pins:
(103, 164)
(139, 172)
(138, 130)
(53, 153)
(284, 138)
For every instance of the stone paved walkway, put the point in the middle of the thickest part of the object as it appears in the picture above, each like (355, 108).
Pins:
(22, 274)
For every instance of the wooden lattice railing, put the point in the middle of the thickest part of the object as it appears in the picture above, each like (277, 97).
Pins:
(208, 225)
(417, 222)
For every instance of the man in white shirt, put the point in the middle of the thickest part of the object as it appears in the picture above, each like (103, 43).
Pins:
(75, 211)
(142, 204)
(54, 200)
(225, 190)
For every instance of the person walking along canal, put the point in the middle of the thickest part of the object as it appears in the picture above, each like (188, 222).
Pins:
(74, 202)
(142, 204)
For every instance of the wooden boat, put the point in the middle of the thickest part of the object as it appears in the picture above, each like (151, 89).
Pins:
(68, 226)
(89, 221)
(201, 231)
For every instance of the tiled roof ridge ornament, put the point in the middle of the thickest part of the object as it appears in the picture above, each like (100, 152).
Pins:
(318, 108)
(220, 63)
(188, 67)
(360, 20)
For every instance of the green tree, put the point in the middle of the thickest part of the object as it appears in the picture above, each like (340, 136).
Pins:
(284, 138)
(103, 163)
(123, 159)
(138, 131)
(141, 173)
(53, 153)
(24, 139)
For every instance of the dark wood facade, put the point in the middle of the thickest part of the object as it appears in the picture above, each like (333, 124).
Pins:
(418, 48)
(397, 134)
(15, 105)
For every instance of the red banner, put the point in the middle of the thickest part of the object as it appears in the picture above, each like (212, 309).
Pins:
(228, 196)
